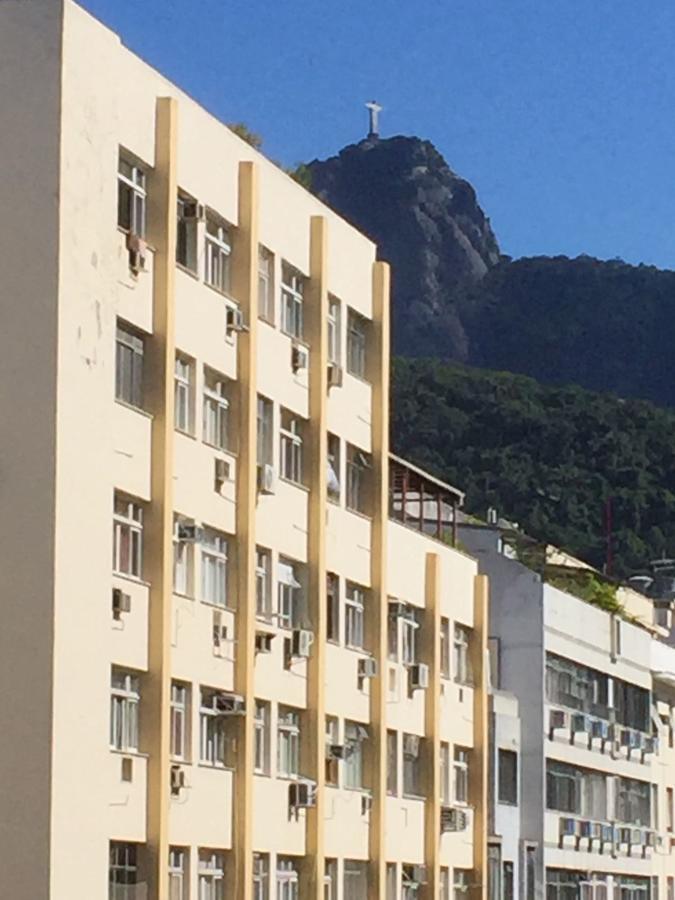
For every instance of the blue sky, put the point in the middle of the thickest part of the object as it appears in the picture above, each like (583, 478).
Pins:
(560, 112)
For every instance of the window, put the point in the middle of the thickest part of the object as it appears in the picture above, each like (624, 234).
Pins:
(571, 684)
(261, 755)
(127, 537)
(494, 873)
(445, 647)
(183, 561)
(179, 720)
(632, 705)
(264, 431)
(410, 886)
(265, 284)
(446, 796)
(292, 291)
(409, 627)
(356, 344)
(129, 348)
(178, 874)
(412, 767)
(356, 879)
(131, 197)
(563, 884)
(261, 873)
(391, 882)
(123, 872)
(392, 763)
(287, 879)
(670, 817)
(263, 587)
(355, 735)
(358, 478)
(217, 257)
(354, 615)
(670, 892)
(216, 410)
(333, 475)
(573, 790)
(330, 880)
(186, 236)
(507, 880)
(292, 428)
(124, 700)
(212, 730)
(211, 875)
(444, 886)
(333, 607)
(632, 802)
(334, 347)
(214, 567)
(332, 737)
(460, 883)
(288, 742)
(290, 595)
(508, 777)
(461, 652)
(461, 775)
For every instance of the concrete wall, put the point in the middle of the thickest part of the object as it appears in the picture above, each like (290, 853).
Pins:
(30, 81)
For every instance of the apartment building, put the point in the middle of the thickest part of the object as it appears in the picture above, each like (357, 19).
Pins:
(227, 670)
(594, 694)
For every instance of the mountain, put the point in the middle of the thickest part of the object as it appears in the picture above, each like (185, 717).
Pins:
(604, 325)
(549, 458)
(427, 223)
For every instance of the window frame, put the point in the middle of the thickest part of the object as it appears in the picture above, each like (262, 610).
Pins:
(211, 874)
(355, 616)
(460, 775)
(125, 701)
(179, 733)
(288, 742)
(134, 187)
(357, 339)
(127, 529)
(261, 741)
(215, 410)
(212, 731)
(129, 365)
(266, 278)
(217, 253)
(291, 446)
(214, 547)
(292, 301)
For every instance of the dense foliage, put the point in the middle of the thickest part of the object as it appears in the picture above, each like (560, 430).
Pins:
(605, 325)
(546, 457)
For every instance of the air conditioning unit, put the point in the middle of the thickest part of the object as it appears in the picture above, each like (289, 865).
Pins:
(177, 779)
(263, 642)
(397, 609)
(223, 469)
(419, 676)
(220, 632)
(557, 720)
(138, 253)
(121, 602)
(568, 827)
(338, 751)
(193, 211)
(301, 643)
(418, 874)
(579, 723)
(600, 729)
(367, 667)
(453, 819)
(334, 375)
(299, 357)
(266, 479)
(188, 533)
(234, 319)
(302, 794)
(366, 803)
(229, 704)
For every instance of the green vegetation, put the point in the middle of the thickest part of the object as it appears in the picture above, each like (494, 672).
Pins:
(244, 132)
(548, 458)
(587, 586)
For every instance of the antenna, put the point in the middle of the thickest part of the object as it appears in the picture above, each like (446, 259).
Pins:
(374, 110)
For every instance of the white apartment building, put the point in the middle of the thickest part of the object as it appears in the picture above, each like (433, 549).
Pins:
(594, 694)
(225, 670)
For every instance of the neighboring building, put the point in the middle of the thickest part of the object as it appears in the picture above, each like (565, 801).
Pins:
(595, 695)
(226, 671)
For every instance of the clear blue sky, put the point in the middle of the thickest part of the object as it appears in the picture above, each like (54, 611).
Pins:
(560, 112)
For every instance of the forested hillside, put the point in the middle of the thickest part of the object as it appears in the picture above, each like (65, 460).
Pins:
(546, 457)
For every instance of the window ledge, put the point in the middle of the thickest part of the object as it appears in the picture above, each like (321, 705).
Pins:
(220, 293)
(295, 484)
(136, 754)
(136, 409)
(268, 322)
(361, 515)
(182, 596)
(174, 761)
(217, 767)
(127, 231)
(218, 606)
(364, 791)
(131, 578)
(361, 378)
(419, 797)
(300, 341)
(188, 271)
(218, 449)
(185, 434)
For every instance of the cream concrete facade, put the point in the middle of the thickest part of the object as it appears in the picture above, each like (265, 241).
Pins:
(275, 690)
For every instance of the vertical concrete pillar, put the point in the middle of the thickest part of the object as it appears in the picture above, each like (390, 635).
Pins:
(314, 752)
(478, 781)
(379, 369)
(155, 722)
(245, 289)
(431, 652)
